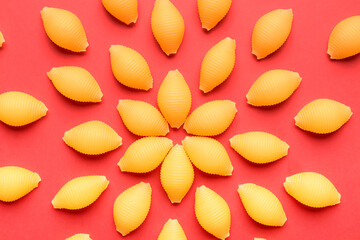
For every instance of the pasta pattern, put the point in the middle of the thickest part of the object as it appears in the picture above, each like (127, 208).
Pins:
(79, 236)
(172, 230)
(2, 39)
(124, 10)
(212, 12)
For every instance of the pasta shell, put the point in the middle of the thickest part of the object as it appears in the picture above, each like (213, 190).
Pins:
(124, 10)
(177, 174)
(208, 155)
(271, 31)
(262, 205)
(145, 154)
(273, 87)
(131, 208)
(323, 116)
(259, 147)
(168, 26)
(93, 137)
(64, 28)
(76, 84)
(172, 230)
(2, 39)
(80, 236)
(259, 238)
(142, 119)
(19, 109)
(344, 38)
(211, 12)
(312, 189)
(16, 182)
(211, 118)
(80, 192)
(174, 99)
(217, 64)
(212, 212)
(130, 68)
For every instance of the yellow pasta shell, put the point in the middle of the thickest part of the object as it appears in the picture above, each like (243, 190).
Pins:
(177, 174)
(131, 208)
(80, 192)
(167, 26)
(211, 12)
(259, 238)
(323, 116)
(130, 68)
(18, 108)
(174, 99)
(271, 31)
(76, 84)
(212, 212)
(273, 87)
(172, 230)
(80, 236)
(312, 189)
(344, 38)
(262, 205)
(93, 137)
(2, 39)
(211, 118)
(259, 147)
(64, 28)
(208, 155)
(124, 10)
(142, 119)
(217, 64)
(16, 182)
(145, 154)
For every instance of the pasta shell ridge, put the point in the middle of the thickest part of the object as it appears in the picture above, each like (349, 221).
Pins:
(172, 230)
(125, 10)
(212, 12)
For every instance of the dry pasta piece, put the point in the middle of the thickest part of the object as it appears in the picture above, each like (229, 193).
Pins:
(19, 109)
(259, 238)
(2, 39)
(271, 31)
(145, 154)
(172, 230)
(344, 38)
(65, 29)
(259, 147)
(124, 10)
(79, 236)
(16, 182)
(131, 208)
(167, 25)
(208, 155)
(211, 12)
(273, 87)
(212, 212)
(323, 116)
(312, 189)
(177, 174)
(262, 205)
(174, 99)
(142, 119)
(75, 83)
(80, 192)
(93, 137)
(130, 68)
(211, 118)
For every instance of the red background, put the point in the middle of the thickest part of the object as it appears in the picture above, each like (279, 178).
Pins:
(28, 54)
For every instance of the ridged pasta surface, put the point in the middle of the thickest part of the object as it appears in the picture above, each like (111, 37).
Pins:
(172, 230)
(2, 39)
(211, 12)
(124, 10)
(323, 116)
(312, 189)
(16, 182)
(80, 236)
(131, 208)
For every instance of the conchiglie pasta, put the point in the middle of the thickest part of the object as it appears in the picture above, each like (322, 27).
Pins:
(259, 147)
(19, 109)
(273, 87)
(271, 31)
(2, 39)
(211, 118)
(65, 29)
(259, 238)
(131, 208)
(93, 137)
(130, 68)
(80, 192)
(80, 236)
(323, 116)
(211, 12)
(16, 182)
(167, 26)
(174, 99)
(262, 205)
(312, 189)
(172, 230)
(145, 154)
(208, 155)
(142, 119)
(124, 10)
(212, 212)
